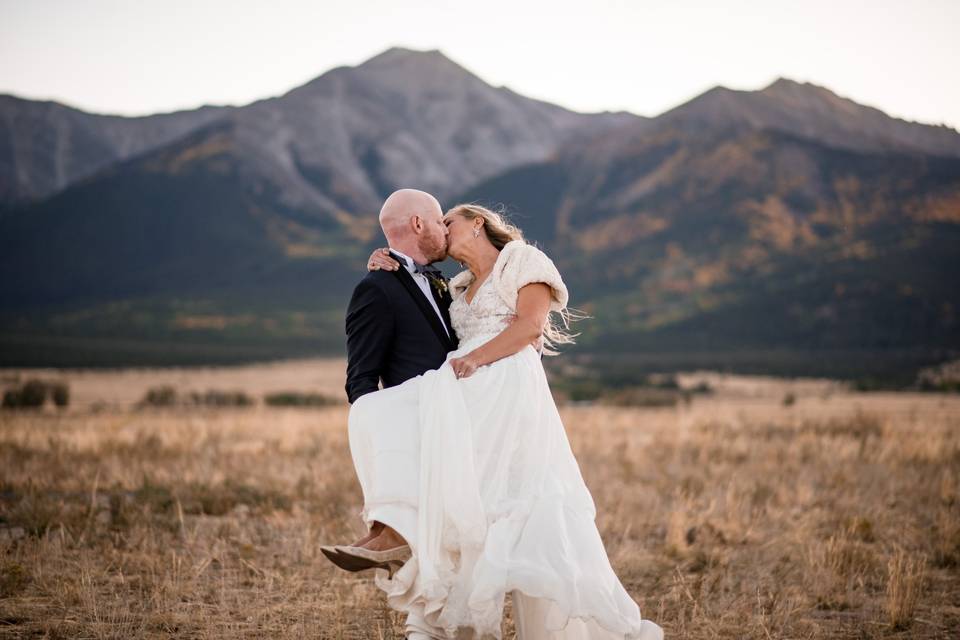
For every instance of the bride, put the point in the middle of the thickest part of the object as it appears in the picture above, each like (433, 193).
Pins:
(501, 505)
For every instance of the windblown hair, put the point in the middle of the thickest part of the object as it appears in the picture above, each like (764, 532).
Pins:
(500, 231)
(495, 225)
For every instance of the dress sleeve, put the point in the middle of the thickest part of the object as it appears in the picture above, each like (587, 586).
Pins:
(529, 264)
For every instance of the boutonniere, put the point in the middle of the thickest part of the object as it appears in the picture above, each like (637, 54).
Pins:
(439, 283)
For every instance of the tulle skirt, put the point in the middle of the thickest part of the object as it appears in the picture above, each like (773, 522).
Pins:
(479, 477)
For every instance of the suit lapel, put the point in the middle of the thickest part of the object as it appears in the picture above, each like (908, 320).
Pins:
(421, 301)
(443, 301)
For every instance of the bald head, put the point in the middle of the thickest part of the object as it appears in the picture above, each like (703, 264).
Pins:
(403, 205)
(412, 222)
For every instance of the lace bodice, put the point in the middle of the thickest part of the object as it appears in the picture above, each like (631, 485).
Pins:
(486, 315)
(494, 303)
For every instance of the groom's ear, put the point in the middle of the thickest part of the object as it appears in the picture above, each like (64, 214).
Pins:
(416, 223)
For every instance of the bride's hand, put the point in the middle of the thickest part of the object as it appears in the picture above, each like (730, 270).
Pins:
(380, 259)
(463, 367)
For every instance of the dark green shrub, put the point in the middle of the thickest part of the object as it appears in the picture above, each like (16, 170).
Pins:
(60, 393)
(167, 396)
(33, 393)
(662, 381)
(580, 390)
(298, 399)
(215, 398)
(702, 387)
(164, 396)
(11, 398)
(643, 397)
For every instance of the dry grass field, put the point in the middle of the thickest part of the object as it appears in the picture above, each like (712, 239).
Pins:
(737, 515)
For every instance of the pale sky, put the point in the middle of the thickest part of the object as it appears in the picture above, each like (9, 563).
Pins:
(137, 57)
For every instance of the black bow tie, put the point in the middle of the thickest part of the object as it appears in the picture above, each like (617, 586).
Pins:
(427, 269)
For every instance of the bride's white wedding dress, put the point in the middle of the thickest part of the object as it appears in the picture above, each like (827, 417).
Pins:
(478, 475)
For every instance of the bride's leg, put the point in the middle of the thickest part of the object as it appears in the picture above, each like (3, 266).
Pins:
(527, 617)
(373, 532)
(417, 628)
(388, 538)
(530, 618)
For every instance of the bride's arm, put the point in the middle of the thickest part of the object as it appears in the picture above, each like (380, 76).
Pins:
(533, 305)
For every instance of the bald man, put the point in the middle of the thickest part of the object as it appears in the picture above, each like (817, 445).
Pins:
(398, 322)
(398, 327)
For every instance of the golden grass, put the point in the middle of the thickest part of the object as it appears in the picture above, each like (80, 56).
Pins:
(731, 517)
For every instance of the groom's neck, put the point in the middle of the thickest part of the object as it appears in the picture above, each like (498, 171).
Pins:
(409, 249)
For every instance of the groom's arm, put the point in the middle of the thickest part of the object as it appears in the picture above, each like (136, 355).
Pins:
(369, 327)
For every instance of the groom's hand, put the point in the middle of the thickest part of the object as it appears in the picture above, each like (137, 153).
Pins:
(380, 259)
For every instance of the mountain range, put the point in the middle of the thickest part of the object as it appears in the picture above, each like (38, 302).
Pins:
(785, 230)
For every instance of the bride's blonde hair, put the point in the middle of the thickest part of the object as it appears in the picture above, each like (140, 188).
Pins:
(500, 231)
(495, 225)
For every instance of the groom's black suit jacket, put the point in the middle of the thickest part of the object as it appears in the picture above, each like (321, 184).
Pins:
(393, 333)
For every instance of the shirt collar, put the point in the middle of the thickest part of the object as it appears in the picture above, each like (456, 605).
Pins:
(408, 261)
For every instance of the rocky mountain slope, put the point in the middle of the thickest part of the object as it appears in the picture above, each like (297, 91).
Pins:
(785, 221)
(46, 146)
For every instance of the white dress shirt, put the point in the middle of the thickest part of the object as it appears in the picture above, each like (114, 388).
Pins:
(424, 283)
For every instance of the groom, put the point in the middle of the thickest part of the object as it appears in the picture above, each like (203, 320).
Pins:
(398, 327)
(398, 322)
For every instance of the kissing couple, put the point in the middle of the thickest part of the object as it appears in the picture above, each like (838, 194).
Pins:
(471, 490)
